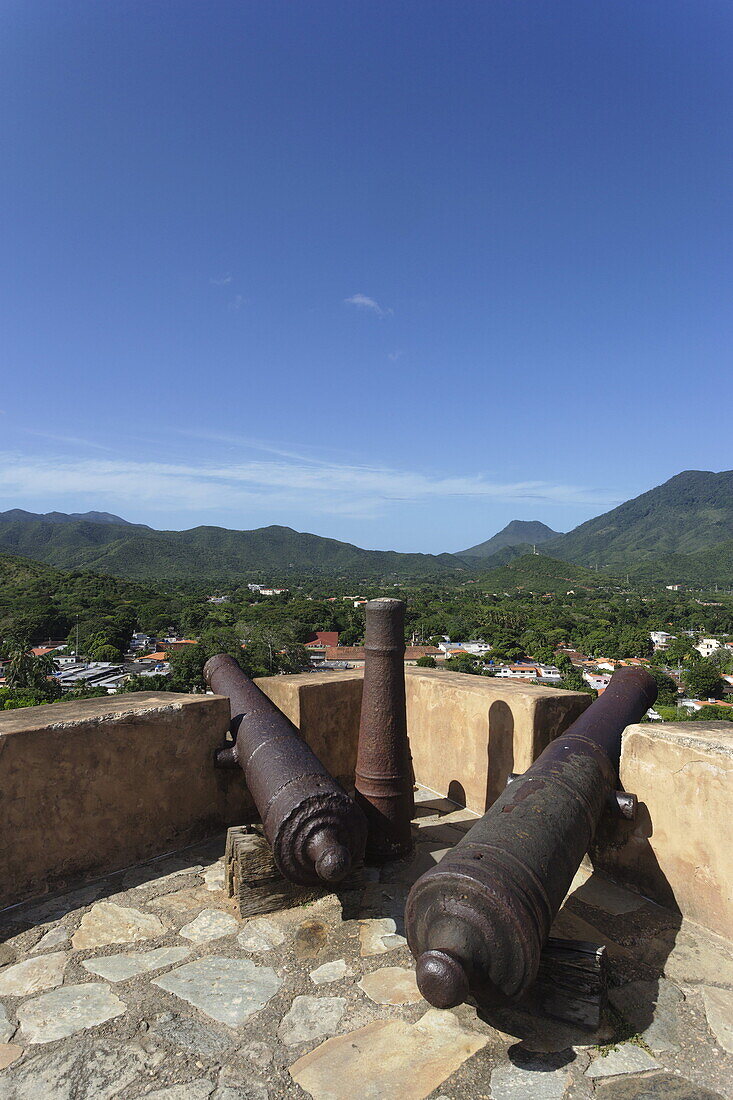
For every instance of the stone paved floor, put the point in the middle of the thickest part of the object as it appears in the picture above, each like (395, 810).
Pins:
(149, 984)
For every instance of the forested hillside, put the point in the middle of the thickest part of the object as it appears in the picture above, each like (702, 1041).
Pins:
(213, 554)
(689, 513)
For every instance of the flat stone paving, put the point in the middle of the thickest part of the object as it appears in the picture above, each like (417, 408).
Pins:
(149, 984)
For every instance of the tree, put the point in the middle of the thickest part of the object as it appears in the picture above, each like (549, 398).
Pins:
(426, 662)
(29, 674)
(464, 662)
(158, 682)
(573, 681)
(702, 680)
(666, 688)
(712, 714)
(680, 650)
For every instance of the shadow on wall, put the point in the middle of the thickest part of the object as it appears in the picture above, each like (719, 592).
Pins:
(500, 748)
(456, 792)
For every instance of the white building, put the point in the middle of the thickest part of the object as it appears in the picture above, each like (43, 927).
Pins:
(661, 639)
(542, 674)
(707, 646)
(599, 682)
(476, 649)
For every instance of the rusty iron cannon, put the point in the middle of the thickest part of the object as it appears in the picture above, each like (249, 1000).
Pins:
(384, 779)
(316, 832)
(478, 921)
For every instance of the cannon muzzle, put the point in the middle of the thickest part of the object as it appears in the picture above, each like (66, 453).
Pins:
(316, 832)
(478, 921)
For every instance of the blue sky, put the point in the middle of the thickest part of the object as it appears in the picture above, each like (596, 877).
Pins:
(393, 272)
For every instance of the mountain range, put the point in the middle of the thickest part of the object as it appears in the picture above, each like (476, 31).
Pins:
(678, 532)
(214, 554)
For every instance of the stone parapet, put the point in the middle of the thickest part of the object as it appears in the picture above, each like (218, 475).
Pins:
(325, 707)
(92, 786)
(467, 733)
(678, 851)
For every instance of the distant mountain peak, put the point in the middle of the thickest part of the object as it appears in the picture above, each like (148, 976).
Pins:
(65, 517)
(516, 533)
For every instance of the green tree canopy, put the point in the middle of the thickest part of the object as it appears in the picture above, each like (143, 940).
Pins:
(702, 680)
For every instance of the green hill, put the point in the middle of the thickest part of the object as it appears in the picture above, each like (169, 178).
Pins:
(42, 602)
(538, 573)
(519, 532)
(704, 569)
(208, 553)
(689, 513)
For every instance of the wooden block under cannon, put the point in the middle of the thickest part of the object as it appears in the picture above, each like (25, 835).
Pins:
(253, 878)
(571, 984)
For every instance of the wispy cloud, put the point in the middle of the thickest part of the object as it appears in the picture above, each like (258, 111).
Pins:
(68, 440)
(267, 486)
(221, 280)
(393, 356)
(361, 301)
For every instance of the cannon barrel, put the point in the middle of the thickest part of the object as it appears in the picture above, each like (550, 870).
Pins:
(478, 921)
(384, 768)
(316, 832)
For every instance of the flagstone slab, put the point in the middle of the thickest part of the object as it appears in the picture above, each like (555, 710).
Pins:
(628, 1058)
(652, 1010)
(183, 901)
(7, 1030)
(330, 972)
(55, 937)
(660, 1086)
(391, 985)
(215, 877)
(157, 874)
(58, 907)
(9, 1053)
(388, 1058)
(533, 1082)
(65, 1011)
(260, 935)
(311, 1018)
(75, 1072)
(696, 955)
(311, 936)
(33, 975)
(210, 924)
(227, 990)
(197, 1038)
(379, 935)
(603, 894)
(719, 1012)
(107, 922)
(118, 968)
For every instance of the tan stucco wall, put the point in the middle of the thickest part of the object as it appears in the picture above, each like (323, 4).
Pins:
(469, 731)
(679, 850)
(325, 707)
(472, 731)
(91, 786)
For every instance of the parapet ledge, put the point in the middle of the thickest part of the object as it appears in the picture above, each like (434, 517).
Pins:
(112, 708)
(710, 737)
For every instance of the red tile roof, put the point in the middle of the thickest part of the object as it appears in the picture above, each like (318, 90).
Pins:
(323, 638)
